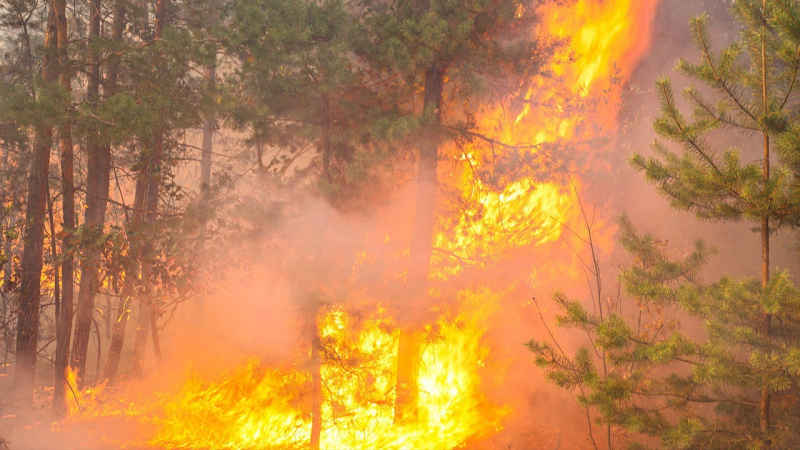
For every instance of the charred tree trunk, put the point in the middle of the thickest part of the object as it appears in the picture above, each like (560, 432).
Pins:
(408, 357)
(100, 171)
(64, 312)
(33, 240)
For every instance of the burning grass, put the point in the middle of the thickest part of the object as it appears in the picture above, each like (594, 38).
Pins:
(260, 407)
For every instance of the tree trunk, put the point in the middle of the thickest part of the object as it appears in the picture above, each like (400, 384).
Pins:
(766, 395)
(33, 240)
(98, 162)
(205, 183)
(64, 313)
(7, 274)
(316, 383)
(140, 340)
(408, 357)
(147, 308)
(124, 306)
(7, 307)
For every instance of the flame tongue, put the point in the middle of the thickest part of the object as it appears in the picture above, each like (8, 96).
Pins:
(608, 38)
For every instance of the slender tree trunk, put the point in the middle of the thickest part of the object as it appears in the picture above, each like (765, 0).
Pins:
(316, 383)
(147, 308)
(409, 348)
(100, 170)
(140, 338)
(98, 162)
(8, 269)
(56, 281)
(7, 273)
(205, 183)
(64, 313)
(117, 338)
(33, 240)
(124, 306)
(312, 320)
(766, 395)
(54, 254)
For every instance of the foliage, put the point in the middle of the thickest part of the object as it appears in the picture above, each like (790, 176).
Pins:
(734, 384)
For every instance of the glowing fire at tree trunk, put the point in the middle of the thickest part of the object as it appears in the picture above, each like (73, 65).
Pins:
(99, 165)
(421, 242)
(64, 310)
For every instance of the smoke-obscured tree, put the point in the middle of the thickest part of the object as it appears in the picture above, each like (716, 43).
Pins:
(159, 86)
(315, 120)
(40, 113)
(21, 21)
(735, 387)
(453, 55)
(129, 85)
(65, 300)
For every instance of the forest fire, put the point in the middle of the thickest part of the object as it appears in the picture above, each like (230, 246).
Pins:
(256, 406)
(262, 405)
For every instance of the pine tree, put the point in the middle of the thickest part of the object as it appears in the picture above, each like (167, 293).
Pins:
(48, 102)
(64, 304)
(736, 387)
(450, 52)
(309, 98)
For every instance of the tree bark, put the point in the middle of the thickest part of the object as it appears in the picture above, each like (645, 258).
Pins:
(33, 240)
(98, 161)
(97, 184)
(64, 313)
(408, 358)
(147, 308)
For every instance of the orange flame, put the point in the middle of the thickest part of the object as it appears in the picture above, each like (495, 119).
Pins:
(608, 38)
(257, 407)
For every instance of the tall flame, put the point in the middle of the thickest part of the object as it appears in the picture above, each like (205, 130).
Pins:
(607, 39)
